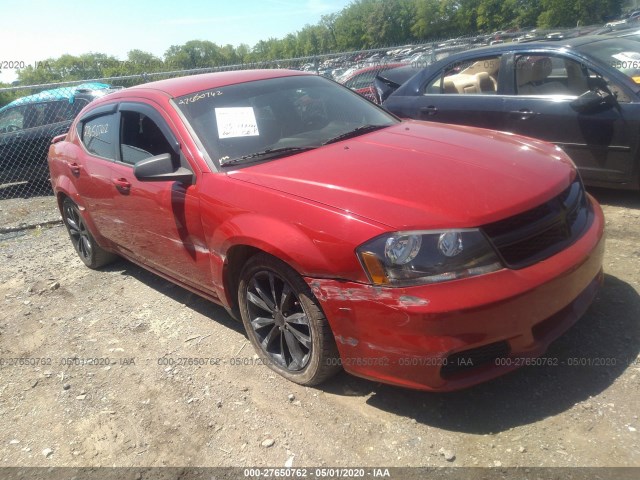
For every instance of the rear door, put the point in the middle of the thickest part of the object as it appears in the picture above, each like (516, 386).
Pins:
(90, 168)
(464, 92)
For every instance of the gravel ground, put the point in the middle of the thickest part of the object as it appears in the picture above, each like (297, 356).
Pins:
(139, 408)
(20, 213)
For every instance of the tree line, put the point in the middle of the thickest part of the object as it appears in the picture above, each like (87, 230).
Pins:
(363, 24)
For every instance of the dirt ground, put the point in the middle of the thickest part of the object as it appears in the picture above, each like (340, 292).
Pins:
(103, 368)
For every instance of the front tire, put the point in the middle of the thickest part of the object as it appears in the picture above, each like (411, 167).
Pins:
(285, 323)
(91, 254)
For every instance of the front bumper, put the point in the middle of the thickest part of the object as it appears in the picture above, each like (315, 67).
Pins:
(456, 334)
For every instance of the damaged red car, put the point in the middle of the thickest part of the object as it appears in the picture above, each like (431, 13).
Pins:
(423, 255)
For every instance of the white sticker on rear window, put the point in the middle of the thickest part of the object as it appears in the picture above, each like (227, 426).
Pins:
(236, 122)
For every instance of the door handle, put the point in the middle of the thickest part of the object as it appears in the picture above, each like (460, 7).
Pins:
(75, 168)
(430, 110)
(524, 113)
(122, 185)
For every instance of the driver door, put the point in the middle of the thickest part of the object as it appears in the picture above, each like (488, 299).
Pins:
(158, 222)
(602, 143)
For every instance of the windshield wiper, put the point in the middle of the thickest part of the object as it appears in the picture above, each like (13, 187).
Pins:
(269, 152)
(355, 132)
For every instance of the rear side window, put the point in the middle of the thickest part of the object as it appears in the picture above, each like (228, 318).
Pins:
(99, 136)
(468, 77)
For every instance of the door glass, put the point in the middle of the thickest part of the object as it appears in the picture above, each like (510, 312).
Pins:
(476, 76)
(55, 112)
(141, 138)
(99, 136)
(614, 88)
(550, 75)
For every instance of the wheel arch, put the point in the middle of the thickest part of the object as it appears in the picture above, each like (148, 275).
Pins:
(65, 189)
(290, 245)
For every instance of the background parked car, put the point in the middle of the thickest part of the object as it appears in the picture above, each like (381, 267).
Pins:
(28, 124)
(361, 80)
(581, 94)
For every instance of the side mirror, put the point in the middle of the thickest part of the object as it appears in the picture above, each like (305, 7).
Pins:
(593, 102)
(161, 169)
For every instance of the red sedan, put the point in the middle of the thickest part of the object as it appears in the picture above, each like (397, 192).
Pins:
(424, 255)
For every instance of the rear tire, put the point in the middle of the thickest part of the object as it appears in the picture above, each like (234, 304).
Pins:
(285, 323)
(91, 254)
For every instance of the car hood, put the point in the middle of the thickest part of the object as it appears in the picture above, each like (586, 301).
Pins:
(422, 175)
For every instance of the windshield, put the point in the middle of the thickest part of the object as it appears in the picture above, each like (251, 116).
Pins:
(623, 54)
(267, 119)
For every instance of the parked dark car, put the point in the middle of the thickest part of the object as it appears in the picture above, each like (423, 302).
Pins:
(424, 255)
(581, 94)
(28, 124)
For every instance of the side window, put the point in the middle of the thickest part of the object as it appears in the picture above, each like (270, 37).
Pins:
(32, 116)
(11, 120)
(99, 136)
(476, 76)
(556, 75)
(615, 89)
(549, 75)
(140, 138)
(54, 112)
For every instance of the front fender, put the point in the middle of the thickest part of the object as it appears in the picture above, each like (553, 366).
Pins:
(289, 242)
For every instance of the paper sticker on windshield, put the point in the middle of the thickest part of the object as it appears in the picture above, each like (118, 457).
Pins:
(236, 122)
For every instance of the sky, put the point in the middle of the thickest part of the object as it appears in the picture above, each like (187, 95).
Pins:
(34, 30)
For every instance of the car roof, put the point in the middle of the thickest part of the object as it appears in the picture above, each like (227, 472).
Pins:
(62, 93)
(499, 49)
(549, 44)
(179, 86)
(411, 84)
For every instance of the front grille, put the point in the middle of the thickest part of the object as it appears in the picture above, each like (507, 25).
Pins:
(543, 231)
(472, 358)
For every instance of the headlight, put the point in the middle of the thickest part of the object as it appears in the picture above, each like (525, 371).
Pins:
(413, 258)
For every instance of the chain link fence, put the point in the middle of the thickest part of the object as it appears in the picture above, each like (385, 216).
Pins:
(41, 112)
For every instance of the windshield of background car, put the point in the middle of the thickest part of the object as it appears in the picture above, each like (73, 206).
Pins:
(283, 115)
(623, 54)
